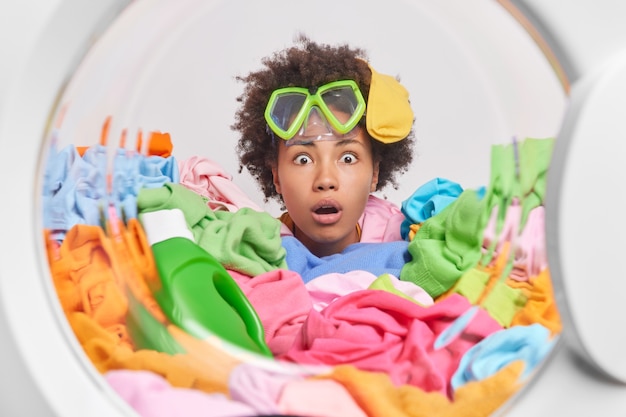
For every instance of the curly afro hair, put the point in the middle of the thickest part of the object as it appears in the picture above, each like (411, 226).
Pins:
(307, 64)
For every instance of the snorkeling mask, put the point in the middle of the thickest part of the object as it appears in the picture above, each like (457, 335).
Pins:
(333, 111)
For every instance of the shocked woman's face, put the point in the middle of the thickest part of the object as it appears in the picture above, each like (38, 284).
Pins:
(325, 185)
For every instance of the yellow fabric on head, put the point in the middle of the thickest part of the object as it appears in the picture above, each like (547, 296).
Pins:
(389, 115)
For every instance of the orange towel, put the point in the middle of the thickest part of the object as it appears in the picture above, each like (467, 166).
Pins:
(91, 273)
(377, 396)
(86, 278)
(186, 371)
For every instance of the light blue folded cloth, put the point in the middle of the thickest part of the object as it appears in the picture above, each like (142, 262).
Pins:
(376, 258)
(428, 200)
(528, 343)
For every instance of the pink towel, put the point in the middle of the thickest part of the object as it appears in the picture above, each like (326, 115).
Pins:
(382, 332)
(150, 395)
(209, 179)
(282, 303)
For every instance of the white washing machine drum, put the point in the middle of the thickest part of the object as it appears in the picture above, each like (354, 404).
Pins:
(481, 81)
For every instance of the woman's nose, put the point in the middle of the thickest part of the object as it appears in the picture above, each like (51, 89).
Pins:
(326, 178)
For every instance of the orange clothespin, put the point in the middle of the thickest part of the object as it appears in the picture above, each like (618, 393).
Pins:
(104, 133)
(122, 143)
(139, 141)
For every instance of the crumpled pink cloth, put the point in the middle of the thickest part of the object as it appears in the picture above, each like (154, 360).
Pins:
(210, 180)
(322, 397)
(291, 390)
(150, 395)
(495, 239)
(259, 387)
(328, 287)
(281, 301)
(529, 254)
(381, 221)
(382, 332)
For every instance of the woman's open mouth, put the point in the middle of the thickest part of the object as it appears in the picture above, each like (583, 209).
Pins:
(327, 212)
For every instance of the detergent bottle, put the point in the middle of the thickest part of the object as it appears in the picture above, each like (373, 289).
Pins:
(195, 291)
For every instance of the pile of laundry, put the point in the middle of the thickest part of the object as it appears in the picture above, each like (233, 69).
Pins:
(449, 312)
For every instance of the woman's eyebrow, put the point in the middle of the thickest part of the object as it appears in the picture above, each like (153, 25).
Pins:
(308, 144)
(345, 142)
(338, 143)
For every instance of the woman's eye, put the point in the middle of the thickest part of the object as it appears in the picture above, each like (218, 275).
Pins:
(302, 160)
(348, 158)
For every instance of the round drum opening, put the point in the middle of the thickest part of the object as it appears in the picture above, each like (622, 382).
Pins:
(218, 320)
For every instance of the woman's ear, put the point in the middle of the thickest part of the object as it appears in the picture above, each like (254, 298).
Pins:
(276, 180)
(374, 183)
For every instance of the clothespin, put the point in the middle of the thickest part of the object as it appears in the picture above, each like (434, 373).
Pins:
(102, 216)
(139, 141)
(122, 143)
(516, 158)
(104, 133)
(514, 236)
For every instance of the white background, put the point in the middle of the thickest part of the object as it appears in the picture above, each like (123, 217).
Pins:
(467, 71)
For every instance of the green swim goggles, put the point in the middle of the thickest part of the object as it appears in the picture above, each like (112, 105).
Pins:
(331, 111)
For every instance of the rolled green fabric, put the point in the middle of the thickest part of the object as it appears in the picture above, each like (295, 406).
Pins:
(446, 245)
(246, 241)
